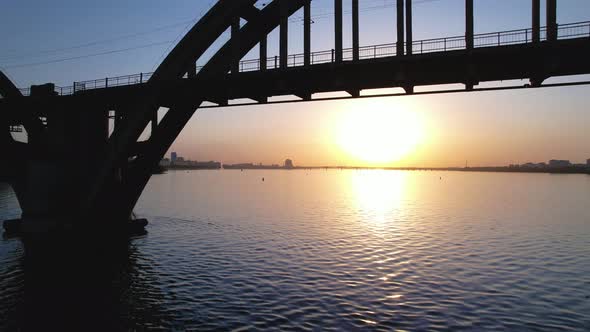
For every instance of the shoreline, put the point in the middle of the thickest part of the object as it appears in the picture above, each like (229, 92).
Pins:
(566, 170)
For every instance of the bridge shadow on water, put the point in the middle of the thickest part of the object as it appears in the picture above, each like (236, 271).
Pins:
(80, 283)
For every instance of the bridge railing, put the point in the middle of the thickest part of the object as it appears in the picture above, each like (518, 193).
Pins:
(15, 129)
(109, 82)
(501, 38)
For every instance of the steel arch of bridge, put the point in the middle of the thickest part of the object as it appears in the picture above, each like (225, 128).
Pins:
(123, 195)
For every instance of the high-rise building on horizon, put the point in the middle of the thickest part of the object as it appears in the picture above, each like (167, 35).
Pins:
(289, 164)
(173, 157)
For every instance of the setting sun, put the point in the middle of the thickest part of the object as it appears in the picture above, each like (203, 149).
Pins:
(378, 132)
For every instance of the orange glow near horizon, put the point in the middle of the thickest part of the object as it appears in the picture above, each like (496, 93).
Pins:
(378, 132)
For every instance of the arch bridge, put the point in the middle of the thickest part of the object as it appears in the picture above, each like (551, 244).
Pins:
(72, 173)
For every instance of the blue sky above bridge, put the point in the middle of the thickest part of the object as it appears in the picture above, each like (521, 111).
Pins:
(136, 34)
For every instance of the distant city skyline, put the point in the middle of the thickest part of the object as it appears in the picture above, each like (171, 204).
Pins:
(174, 155)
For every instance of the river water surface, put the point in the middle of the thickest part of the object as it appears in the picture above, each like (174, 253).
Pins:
(341, 250)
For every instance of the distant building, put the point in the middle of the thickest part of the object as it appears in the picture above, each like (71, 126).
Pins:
(289, 164)
(534, 165)
(251, 166)
(559, 163)
(173, 157)
(588, 162)
(180, 162)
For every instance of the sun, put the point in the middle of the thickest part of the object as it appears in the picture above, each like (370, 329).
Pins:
(378, 132)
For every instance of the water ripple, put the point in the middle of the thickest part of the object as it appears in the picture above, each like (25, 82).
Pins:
(318, 257)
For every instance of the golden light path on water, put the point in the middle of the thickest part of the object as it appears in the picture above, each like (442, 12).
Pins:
(380, 197)
(379, 194)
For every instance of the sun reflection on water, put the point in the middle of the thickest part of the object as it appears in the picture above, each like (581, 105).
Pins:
(379, 194)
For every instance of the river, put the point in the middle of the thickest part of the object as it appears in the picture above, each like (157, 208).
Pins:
(341, 250)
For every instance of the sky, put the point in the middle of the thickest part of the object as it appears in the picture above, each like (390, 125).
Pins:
(63, 41)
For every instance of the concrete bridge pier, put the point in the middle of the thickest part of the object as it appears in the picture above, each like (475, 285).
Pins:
(55, 179)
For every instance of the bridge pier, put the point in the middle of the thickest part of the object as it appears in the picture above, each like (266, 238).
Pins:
(56, 178)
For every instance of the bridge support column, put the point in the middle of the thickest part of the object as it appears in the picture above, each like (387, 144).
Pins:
(551, 20)
(469, 24)
(284, 35)
(536, 13)
(469, 44)
(338, 30)
(307, 33)
(263, 53)
(409, 37)
(355, 30)
(235, 43)
(400, 28)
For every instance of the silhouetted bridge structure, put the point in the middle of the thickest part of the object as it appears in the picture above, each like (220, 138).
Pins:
(72, 172)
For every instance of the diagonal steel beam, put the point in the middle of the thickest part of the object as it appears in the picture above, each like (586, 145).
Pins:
(177, 117)
(175, 65)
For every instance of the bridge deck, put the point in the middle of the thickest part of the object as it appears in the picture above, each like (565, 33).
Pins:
(535, 62)
(419, 47)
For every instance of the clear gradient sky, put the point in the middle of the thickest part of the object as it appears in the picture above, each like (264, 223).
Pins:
(487, 128)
